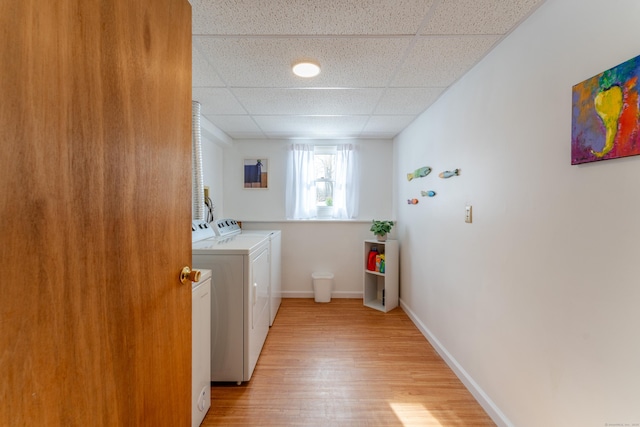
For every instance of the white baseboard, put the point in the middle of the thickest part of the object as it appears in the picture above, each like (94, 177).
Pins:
(309, 294)
(483, 399)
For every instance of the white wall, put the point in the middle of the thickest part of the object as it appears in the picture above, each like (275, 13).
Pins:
(536, 303)
(308, 246)
(212, 161)
(376, 171)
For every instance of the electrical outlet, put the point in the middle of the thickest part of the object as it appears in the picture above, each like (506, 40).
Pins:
(467, 216)
(206, 192)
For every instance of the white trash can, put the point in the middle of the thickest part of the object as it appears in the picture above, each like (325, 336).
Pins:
(322, 286)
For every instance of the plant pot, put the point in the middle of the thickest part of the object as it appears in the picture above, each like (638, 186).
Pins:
(324, 212)
(382, 238)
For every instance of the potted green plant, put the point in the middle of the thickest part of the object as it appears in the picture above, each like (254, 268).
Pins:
(380, 229)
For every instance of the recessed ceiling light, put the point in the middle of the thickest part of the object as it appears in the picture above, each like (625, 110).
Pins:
(306, 69)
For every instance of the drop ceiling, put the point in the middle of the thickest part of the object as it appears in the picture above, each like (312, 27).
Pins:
(383, 62)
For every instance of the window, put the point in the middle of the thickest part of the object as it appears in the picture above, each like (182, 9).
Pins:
(324, 166)
(321, 182)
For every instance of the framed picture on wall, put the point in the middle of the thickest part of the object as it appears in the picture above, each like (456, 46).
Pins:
(606, 115)
(256, 173)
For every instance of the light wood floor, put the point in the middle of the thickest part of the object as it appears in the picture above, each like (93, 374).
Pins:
(342, 364)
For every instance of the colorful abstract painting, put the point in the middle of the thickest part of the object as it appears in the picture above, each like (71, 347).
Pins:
(605, 120)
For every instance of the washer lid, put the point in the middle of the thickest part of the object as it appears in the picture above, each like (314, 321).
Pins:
(236, 244)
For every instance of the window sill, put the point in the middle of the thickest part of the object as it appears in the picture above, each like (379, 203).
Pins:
(314, 220)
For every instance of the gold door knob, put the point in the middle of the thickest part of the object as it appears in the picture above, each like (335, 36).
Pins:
(189, 275)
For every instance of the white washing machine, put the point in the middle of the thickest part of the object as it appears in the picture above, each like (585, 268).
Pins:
(239, 300)
(200, 348)
(223, 226)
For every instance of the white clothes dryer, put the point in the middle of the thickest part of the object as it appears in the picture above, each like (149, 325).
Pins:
(226, 226)
(200, 348)
(239, 300)
(275, 265)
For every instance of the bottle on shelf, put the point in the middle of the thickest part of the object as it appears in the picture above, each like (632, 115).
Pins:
(371, 261)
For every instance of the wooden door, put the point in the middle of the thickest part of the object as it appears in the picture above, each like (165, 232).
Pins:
(95, 166)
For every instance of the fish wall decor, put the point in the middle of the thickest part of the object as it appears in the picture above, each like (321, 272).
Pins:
(412, 201)
(429, 193)
(449, 174)
(419, 173)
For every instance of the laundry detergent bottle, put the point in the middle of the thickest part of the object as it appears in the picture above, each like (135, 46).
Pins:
(371, 261)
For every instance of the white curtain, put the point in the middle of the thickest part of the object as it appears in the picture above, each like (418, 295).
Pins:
(345, 193)
(300, 194)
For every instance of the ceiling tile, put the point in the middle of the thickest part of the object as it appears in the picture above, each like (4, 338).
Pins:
(308, 101)
(383, 61)
(216, 101)
(203, 74)
(385, 126)
(266, 62)
(407, 100)
(478, 16)
(311, 126)
(440, 61)
(236, 126)
(291, 17)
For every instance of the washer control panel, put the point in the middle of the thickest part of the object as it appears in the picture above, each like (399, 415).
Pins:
(201, 230)
(226, 227)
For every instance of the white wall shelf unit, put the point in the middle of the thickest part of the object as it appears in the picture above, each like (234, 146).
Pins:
(381, 289)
